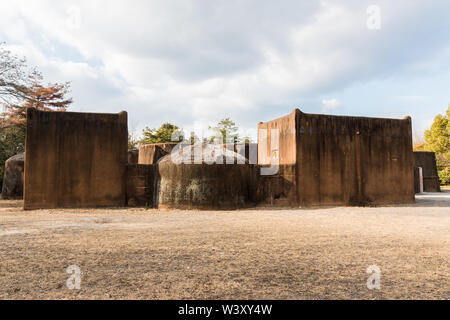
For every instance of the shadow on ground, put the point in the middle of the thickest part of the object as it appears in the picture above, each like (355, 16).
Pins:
(426, 199)
(435, 199)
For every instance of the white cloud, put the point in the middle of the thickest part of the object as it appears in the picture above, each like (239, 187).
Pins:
(330, 105)
(188, 61)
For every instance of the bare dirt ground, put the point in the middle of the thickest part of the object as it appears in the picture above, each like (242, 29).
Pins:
(252, 254)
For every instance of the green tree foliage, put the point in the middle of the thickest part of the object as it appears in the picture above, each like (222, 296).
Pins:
(193, 139)
(226, 128)
(162, 135)
(437, 140)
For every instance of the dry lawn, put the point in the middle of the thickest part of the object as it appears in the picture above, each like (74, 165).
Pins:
(252, 254)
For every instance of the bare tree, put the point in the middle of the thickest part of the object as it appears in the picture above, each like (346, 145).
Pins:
(22, 88)
(418, 139)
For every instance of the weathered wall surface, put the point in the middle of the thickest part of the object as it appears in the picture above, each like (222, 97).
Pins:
(341, 160)
(188, 186)
(205, 186)
(13, 178)
(133, 156)
(141, 185)
(202, 186)
(353, 160)
(427, 161)
(285, 150)
(247, 150)
(75, 160)
(281, 188)
(417, 180)
(151, 153)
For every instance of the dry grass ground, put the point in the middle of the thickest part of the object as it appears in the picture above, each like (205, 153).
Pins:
(252, 254)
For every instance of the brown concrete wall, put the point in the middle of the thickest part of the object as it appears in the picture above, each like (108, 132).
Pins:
(141, 185)
(133, 156)
(281, 188)
(416, 180)
(75, 160)
(287, 141)
(151, 153)
(341, 160)
(203, 186)
(247, 150)
(427, 161)
(353, 160)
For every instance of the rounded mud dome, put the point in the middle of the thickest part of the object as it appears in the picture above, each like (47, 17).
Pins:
(191, 185)
(13, 179)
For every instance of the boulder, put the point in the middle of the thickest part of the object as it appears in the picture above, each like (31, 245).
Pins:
(13, 178)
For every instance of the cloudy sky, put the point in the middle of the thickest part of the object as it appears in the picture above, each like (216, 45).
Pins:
(195, 62)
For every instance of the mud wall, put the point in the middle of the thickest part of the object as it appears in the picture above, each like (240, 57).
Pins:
(133, 157)
(151, 153)
(75, 160)
(141, 185)
(247, 150)
(203, 186)
(340, 160)
(417, 180)
(279, 189)
(286, 147)
(353, 160)
(427, 161)
(13, 179)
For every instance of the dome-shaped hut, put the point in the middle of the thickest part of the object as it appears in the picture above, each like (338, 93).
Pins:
(13, 178)
(198, 177)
